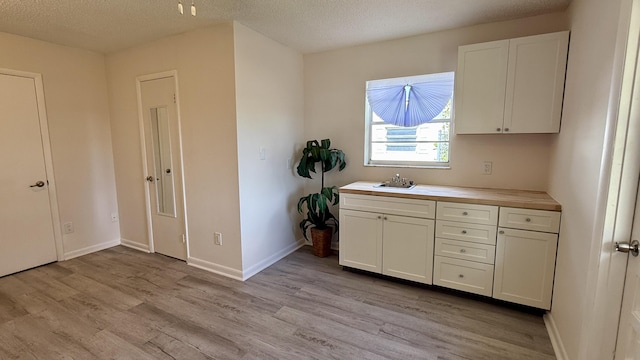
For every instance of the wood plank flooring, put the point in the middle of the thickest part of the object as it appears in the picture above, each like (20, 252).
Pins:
(123, 304)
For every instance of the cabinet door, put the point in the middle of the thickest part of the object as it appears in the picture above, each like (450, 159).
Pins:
(480, 87)
(361, 240)
(535, 83)
(525, 265)
(408, 248)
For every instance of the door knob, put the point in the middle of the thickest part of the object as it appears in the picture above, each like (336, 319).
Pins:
(38, 184)
(150, 178)
(626, 247)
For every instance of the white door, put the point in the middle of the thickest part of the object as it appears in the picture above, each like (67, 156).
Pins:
(628, 346)
(163, 166)
(26, 224)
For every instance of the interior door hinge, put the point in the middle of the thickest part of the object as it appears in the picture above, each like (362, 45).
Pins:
(174, 98)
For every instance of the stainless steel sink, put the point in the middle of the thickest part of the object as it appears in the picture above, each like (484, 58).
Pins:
(398, 186)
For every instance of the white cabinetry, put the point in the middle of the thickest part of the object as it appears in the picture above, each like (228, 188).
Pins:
(391, 236)
(525, 259)
(511, 86)
(465, 248)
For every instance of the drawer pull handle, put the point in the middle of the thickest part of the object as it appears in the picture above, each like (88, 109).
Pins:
(463, 251)
(527, 219)
(465, 213)
(464, 231)
(460, 276)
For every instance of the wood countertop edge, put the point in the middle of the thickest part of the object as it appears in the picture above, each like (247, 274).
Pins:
(526, 199)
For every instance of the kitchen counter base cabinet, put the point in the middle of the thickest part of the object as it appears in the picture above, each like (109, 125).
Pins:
(407, 248)
(361, 240)
(489, 249)
(525, 265)
(376, 235)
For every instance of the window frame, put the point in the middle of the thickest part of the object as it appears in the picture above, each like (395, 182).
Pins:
(399, 163)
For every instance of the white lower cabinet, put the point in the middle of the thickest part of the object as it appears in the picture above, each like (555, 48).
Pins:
(503, 252)
(362, 244)
(385, 242)
(525, 265)
(407, 248)
(465, 247)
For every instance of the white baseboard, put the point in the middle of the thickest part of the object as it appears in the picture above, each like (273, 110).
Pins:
(135, 245)
(246, 274)
(215, 268)
(90, 249)
(554, 335)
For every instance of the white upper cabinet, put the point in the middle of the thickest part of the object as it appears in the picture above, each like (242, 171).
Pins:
(480, 87)
(511, 86)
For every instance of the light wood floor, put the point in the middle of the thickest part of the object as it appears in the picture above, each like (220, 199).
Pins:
(124, 304)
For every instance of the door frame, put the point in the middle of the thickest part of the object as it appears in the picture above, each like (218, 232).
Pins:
(618, 185)
(147, 190)
(48, 157)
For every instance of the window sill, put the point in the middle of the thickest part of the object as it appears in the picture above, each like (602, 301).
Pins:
(417, 166)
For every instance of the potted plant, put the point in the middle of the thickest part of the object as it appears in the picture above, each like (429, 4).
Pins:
(318, 218)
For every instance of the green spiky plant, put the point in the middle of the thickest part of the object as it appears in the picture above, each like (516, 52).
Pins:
(317, 204)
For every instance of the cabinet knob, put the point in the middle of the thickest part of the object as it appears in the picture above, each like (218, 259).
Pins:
(465, 213)
(498, 129)
(528, 219)
(385, 218)
(463, 251)
(379, 217)
(460, 276)
(506, 129)
(501, 232)
(464, 231)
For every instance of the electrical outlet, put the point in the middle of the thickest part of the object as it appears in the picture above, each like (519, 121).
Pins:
(67, 227)
(263, 153)
(114, 217)
(487, 167)
(289, 163)
(217, 238)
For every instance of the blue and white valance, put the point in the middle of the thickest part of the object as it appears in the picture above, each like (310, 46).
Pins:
(410, 101)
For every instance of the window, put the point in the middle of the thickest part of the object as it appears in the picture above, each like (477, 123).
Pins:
(408, 121)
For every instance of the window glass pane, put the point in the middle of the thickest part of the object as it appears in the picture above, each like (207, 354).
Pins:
(426, 144)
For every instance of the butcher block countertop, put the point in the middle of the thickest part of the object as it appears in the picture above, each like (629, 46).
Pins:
(527, 199)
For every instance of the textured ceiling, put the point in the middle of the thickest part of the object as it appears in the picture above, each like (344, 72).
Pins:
(305, 25)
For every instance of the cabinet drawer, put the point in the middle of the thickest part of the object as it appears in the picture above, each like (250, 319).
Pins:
(465, 250)
(389, 205)
(484, 234)
(527, 219)
(463, 275)
(469, 213)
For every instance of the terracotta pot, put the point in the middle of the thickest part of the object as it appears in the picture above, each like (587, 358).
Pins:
(321, 241)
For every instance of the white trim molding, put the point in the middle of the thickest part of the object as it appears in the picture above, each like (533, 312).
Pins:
(554, 336)
(215, 268)
(91, 249)
(135, 245)
(265, 263)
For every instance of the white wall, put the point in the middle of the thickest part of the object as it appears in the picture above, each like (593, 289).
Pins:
(206, 81)
(269, 109)
(75, 90)
(576, 159)
(334, 107)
